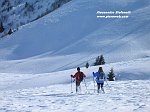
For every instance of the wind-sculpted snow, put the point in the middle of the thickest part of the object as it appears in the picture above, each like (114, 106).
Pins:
(72, 35)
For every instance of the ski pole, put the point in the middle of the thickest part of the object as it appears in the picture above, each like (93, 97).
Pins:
(108, 85)
(71, 85)
(94, 82)
(85, 85)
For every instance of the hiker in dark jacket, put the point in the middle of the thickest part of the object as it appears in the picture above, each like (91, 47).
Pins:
(100, 77)
(79, 77)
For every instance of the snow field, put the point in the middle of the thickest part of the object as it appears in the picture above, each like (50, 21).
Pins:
(125, 96)
(51, 92)
(36, 60)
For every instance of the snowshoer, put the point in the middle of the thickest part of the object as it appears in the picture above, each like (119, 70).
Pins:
(79, 77)
(100, 77)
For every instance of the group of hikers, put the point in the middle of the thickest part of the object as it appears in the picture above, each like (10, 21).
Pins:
(99, 77)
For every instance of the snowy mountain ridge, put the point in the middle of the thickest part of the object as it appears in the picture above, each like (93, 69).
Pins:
(16, 13)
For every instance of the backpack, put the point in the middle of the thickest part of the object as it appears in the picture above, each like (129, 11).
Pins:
(100, 76)
(81, 76)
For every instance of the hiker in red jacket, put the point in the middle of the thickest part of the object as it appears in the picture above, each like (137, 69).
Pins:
(79, 77)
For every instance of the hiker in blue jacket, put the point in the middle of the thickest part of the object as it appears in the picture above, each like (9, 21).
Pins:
(100, 77)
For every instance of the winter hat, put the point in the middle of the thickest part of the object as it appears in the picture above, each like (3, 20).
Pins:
(78, 68)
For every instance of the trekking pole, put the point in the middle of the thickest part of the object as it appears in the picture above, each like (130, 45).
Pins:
(108, 85)
(94, 83)
(71, 85)
(85, 85)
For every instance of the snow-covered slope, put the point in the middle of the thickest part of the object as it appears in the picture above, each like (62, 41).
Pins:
(51, 92)
(72, 35)
(131, 70)
(57, 98)
(32, 57)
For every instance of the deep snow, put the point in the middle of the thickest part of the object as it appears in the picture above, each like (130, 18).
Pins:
(52, 91)
(123, 96)
(33, 61)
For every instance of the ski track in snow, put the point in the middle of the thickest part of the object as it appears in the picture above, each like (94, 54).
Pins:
(125, 96)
